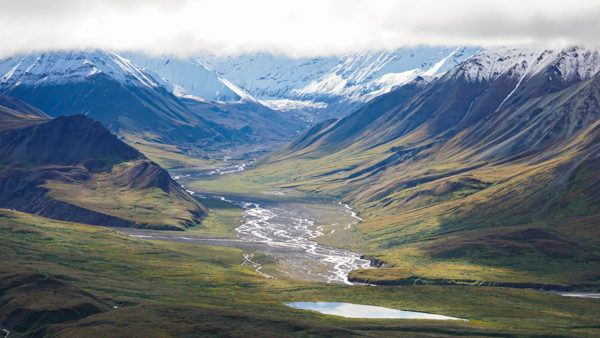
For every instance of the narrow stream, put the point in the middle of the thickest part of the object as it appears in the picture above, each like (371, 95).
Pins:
(291, 227)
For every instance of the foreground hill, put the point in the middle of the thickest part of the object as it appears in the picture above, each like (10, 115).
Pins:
(72, 168)
(68, 279)
(489, 173)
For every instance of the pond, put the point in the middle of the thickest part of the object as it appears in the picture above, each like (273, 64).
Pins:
(593, 295)
(349, 310)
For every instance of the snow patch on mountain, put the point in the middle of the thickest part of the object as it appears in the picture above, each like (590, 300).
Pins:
(288, 104)
(386, 83)
(238, 91)
(446, 63)
(188, 78)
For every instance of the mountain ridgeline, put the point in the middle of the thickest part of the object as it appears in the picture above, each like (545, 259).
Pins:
(14, 113)
(480, 96)
(325, 87)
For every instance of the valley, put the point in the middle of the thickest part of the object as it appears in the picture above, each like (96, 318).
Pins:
(444, 202)
(287, 231)
(451, 190)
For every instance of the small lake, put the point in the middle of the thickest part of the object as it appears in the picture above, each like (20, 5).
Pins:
(593, 295)
(349, 310)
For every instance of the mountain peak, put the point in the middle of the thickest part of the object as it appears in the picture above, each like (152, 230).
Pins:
(363, 75)
(61, 67)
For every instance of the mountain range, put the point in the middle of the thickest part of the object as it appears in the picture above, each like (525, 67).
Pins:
(148, 102)
(490, 168)
(158, 97)
(331, 86)
(150, 99)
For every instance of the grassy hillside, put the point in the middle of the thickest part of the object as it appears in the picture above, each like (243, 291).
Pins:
(111, 193)
(77, 280)
(491, 224)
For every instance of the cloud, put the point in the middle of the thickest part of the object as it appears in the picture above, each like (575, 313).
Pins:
(294, 27)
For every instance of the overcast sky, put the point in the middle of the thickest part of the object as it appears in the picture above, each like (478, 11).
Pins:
(294, 27)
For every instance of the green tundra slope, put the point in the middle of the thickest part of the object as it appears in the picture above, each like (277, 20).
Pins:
(489, 174)
(73, 280)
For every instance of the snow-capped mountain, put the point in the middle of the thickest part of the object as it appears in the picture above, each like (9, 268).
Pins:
(573, 63)
(216, 99)
(106, 87)
(504, 98)
(268, 76)
(168, 99)
(184, 77)
(70, 66)
(332, 84)
(363, 75)
(188, 78)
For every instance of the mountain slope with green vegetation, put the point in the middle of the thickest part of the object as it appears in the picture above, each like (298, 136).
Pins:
(487, 174)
